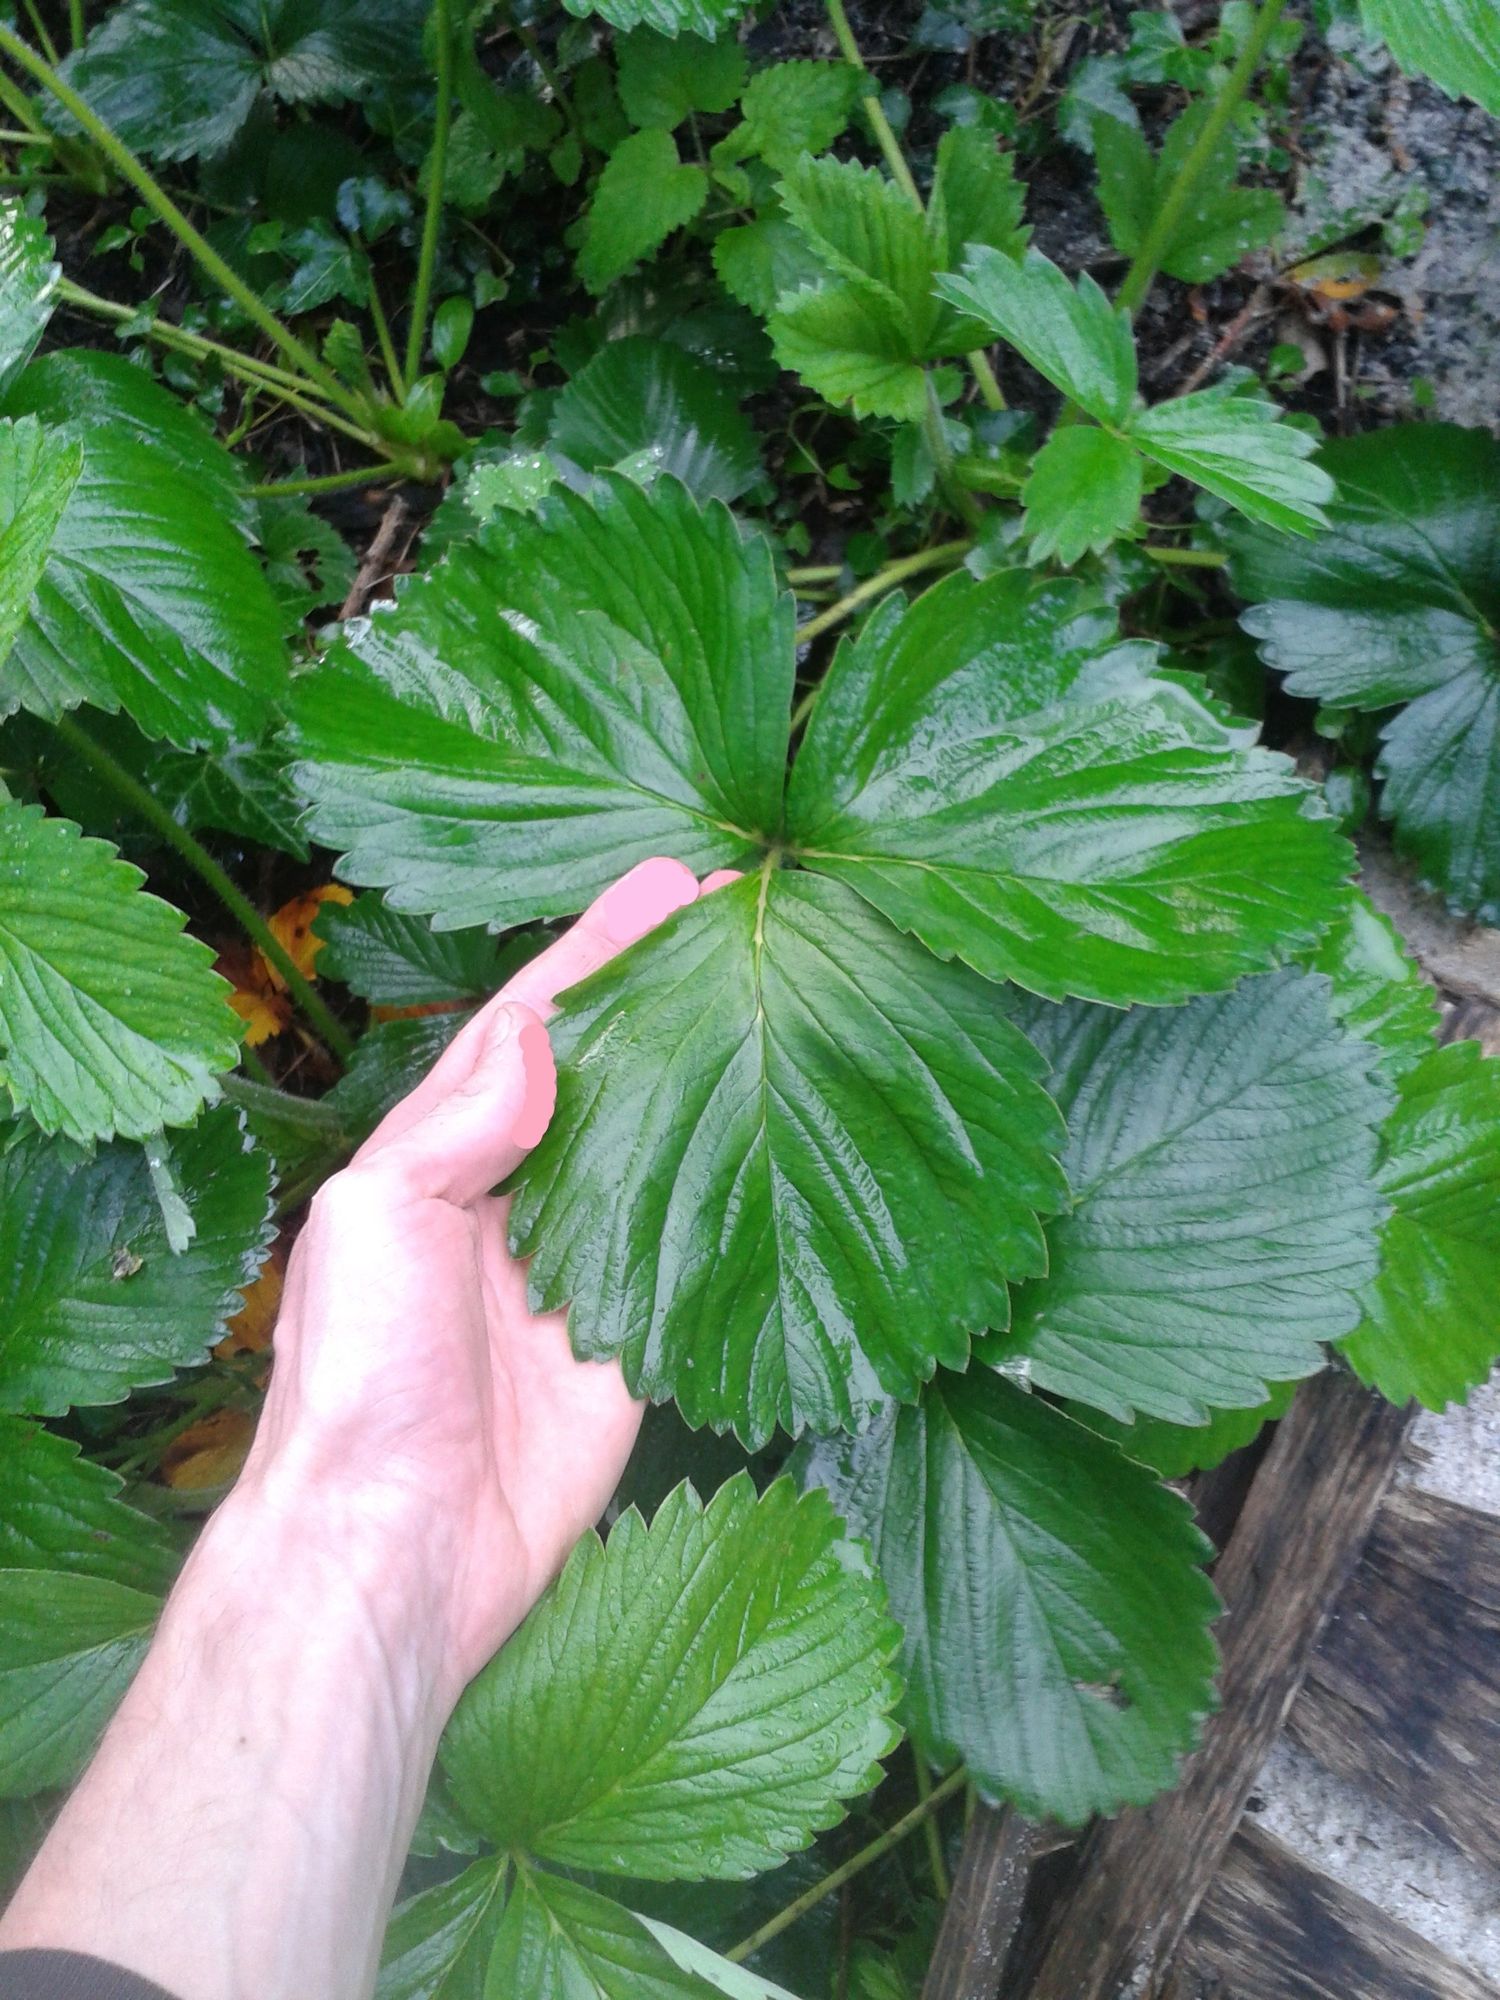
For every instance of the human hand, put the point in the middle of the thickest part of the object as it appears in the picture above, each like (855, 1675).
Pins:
(418, 1411)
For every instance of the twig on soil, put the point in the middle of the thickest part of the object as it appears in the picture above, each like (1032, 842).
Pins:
(1231, 339)
(383, 558)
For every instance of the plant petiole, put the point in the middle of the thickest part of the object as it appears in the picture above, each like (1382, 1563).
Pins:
(1185, 558)
(325, 482)
(437, 166)
(943, 555)
(920, 1813)
(197, 857)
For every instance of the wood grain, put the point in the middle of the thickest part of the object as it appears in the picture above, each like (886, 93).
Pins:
(1299, 1535)
(984, 1909)
(1403, 1693)
(1272, 1928)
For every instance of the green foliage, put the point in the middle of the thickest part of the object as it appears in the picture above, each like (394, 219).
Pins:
(1395, 608)
(1455, 42)
(28, 279)
(1055, 1611)
(691, 1700)
(1222, 223)
(69, 1645)
(1429, 1328)
(652, 404)
(59, 1511)
(663, 81)
(96, 1303)
(110, 1019)
(644, 194)
(667, 17)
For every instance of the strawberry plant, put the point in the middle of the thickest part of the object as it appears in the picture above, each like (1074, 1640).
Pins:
(1033, 1105)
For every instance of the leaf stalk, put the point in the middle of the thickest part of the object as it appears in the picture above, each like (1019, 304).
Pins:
(437, 170)
(197, 857)
(942, 555)
(1164, 224)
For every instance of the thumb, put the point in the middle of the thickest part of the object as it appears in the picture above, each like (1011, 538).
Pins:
(481, 1130)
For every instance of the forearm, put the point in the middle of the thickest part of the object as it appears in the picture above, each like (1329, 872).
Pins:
(243, 1825)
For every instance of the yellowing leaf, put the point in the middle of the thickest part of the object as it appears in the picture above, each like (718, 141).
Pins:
(209, 1453)
(292, 928)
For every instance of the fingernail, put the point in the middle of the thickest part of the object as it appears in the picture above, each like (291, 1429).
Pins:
(541, 1085)
(651, 891)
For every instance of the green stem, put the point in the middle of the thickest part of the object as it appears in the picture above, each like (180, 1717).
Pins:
(8, 138)
(941, 556)
(934, 1840)
(934, 429)
(21, 108)
(161, 204)
(208, 871)
(815, 573)
(76, 30)
(39, 28)
(1168, 218)
(1186, 558)
(437, 167)
(387, 346)
(323, 482)
(836, 1878)
(989, 387)
(880, 125)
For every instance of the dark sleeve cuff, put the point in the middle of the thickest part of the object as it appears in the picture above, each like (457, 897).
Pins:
(71, 1975)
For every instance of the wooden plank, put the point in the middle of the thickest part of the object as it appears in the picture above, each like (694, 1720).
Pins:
(1403, 1693)
(1272, 1928)
(984, 1909)
(1298, 1536)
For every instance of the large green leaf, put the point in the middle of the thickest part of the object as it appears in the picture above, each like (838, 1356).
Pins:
(69, 1646)
(866, 231)
(111, 1020)
(1236, 446)
(1455, 42)
(1400, 603)
(564, 696)
(1174, 1450)
(663, 80)
(179, 77)
(651, 401)
(398, 961)
(439, 1943)
(1431, 1328)
(998, 774)
(1377, 991)
(668, 17)
(794, 1162)
(151, 599)
(1221, 1157)
(847, 342)
(58, 1511)
(28, 279)
(1055, 1611)
(1069, 333)
(93, 1303)
(690, 1701)
(38, 471)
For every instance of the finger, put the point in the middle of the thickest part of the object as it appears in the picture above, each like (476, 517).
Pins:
(482, 1130)
(721, 879)
(634, 905)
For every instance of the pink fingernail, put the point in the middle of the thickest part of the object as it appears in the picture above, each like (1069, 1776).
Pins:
(651, 891)
(537, 1106)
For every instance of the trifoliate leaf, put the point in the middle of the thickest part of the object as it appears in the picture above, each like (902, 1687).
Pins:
(28, 280)
(38, 471)
(794, 1161)
(793, 108)
(849, 344)
(1377, 991)
(94, 1302)
(179, 77)
(1222, 222)
(1399, 603)
(69, 1647)
(663, 80)
(559, 1939)
(652, 402)
(565, 696)
(689, 1701)
(1083, 492)
(1236, 446)
(1431, 1329)
(58, 1511)
(1069, 333)
(1174, 1450)
(643, 194)
(998, 774)
(1221, 1157)
(1055, 1611)
(110, 1019)
(1455, 42)
(400, 961)
(759, 261)
(151, 599)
